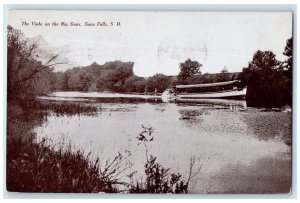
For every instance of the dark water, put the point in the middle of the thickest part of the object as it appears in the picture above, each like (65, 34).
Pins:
(241, 150)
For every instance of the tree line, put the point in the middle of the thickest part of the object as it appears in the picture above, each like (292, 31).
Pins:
(118, 76)
(269, 80)
(115, 76)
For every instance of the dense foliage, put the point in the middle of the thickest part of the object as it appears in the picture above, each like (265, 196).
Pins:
(269, 81)
(110, 76)
(187, 69)
(116, 76)
(27, 74)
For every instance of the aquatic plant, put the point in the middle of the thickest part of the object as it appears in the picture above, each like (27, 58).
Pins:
(60, 108)
(158, 179)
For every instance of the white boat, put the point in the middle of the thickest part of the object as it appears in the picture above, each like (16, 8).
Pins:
(220, 90)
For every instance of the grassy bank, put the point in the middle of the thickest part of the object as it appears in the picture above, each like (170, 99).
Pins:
(36, 167)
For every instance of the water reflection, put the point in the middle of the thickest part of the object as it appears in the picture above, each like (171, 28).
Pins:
(232, 104)
(223, 140)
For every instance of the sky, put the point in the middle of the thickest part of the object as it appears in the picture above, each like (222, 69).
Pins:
(157, 41)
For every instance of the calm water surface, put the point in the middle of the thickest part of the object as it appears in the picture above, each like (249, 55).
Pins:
(240, 150)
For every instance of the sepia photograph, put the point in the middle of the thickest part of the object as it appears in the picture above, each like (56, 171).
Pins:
(149, 102)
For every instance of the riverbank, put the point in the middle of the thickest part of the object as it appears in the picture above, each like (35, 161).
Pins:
(36, 167)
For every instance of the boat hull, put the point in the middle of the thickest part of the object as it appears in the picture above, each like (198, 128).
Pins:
(234, 94)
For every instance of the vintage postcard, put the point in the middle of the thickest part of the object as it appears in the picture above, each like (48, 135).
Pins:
(149, 102)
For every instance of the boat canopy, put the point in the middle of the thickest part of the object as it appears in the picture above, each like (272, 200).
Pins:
(208, 84)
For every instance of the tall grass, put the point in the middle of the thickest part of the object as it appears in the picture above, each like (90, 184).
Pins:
(36, 167)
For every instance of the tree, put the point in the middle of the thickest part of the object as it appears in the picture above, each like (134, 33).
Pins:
(287, 66)
(27, 76)
(74, 80)
(266, 85)
(159, 83)
(223, 75)
(264, 60)
(288, 51)
(187, 69)
(224, 70)
(113, 75)
(87, 80)
(135, 84)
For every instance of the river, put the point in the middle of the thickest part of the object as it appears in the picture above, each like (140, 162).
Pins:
(239, 149)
